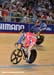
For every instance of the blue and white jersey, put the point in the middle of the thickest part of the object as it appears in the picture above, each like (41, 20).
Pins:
(39, 28)
(43, 26)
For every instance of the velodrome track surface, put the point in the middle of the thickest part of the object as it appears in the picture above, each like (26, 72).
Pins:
(44, 64)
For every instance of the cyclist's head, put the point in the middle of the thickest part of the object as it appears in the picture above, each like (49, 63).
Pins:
(37, 22)
(22, 30)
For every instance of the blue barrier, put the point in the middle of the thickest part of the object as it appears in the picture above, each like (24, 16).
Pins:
(16, 27)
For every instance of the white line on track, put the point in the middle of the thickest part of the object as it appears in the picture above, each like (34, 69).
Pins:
(12, 72)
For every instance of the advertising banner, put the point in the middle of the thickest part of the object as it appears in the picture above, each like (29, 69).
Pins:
(16, 27)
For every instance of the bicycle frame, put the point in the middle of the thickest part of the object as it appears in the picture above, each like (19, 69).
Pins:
(23, 51)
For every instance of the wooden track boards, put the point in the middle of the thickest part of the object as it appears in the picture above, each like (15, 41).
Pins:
(44, 64)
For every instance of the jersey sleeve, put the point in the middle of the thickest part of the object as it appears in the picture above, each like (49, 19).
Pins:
(21, 39)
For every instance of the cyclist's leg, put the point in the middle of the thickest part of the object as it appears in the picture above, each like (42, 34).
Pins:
(29, 51)
(30, 47)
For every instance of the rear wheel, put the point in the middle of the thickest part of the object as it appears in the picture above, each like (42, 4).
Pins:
(40, 40)
(16, 56)
(32, 56)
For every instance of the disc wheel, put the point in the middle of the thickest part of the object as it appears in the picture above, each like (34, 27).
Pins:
(40, 40)
(16, 56)
(32, 56)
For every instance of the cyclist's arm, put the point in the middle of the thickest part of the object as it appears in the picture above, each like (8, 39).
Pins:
(21, 39)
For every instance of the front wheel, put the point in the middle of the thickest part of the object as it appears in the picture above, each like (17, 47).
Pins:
(16, 56)
(32, 56)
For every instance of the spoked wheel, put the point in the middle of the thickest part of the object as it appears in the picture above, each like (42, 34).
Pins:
(16, 56)
(32, 56)
(40, 40)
